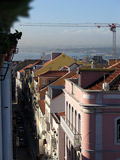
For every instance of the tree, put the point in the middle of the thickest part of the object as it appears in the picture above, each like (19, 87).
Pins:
(10, 10)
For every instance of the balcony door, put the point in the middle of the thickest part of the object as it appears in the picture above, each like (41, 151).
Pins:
(72, 117)
(75, 122)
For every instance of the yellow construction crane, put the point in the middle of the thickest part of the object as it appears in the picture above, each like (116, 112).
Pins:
(112, 27)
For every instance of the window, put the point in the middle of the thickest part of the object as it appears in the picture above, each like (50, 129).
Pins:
(50, 80)
(75, 158)
(72, 152)
(69, 149)
(78, 156)
(72, 88)
(75, 121)
(117, 131)
(69, 112)
(79, 123)
(44, 82)
(72, 116)
(66, 109)
(67, 146)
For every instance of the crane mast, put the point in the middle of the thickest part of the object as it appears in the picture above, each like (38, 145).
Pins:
(112, 27)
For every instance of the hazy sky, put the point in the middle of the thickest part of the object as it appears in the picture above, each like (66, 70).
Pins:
(69, 11)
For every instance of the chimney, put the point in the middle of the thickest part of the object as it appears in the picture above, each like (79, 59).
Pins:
(55, 54)
(88, 76)
(93, 66)
(79, 78)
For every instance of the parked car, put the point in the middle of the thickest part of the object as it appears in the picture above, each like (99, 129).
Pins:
(21, 131)
(22, 142)
(19, 120)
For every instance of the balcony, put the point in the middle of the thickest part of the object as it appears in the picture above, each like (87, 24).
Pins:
(53, 142)
(70, 131)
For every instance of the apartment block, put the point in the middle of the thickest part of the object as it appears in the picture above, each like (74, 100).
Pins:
(92, 115)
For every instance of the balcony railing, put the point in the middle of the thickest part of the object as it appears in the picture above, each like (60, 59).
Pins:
(71, 132)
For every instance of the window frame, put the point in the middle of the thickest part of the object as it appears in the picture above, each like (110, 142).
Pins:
(72, 88)
(116, 131)
(44, 82)
(79, 123)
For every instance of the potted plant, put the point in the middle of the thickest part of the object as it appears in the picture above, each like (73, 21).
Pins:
(8, 43)
(13, 41)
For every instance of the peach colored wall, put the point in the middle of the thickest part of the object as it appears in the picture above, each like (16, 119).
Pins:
(108, 130)
(91, 97)
(76, 107)
(88, 120)
(108, 136)
(88, 135)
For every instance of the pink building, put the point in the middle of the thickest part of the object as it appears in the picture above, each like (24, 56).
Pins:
(92, 115)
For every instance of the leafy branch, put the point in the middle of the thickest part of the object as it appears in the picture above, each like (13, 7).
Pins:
(8, 40)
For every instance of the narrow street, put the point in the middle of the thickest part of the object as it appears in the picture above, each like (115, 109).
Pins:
(26, 149)
(24, 154)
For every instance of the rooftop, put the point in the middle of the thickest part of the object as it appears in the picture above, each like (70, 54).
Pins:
(112, 79)
(53, 74)
(28, 66)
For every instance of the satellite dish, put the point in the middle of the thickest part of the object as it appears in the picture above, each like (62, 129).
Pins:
(105, 86)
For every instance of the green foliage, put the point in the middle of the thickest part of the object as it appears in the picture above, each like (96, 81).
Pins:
(10, 10)
(8, 40)
(14, 37)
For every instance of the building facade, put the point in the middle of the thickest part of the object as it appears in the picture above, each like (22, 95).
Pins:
(92, 116)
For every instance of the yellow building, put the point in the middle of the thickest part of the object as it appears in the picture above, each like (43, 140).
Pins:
(58, 60)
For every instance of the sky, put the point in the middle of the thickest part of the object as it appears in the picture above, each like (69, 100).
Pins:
(69, 11)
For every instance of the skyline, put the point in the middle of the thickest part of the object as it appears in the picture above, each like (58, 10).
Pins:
(84, 11)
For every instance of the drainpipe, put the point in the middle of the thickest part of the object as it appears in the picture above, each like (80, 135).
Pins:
(6, 91)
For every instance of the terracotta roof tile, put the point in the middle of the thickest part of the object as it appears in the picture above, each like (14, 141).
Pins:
(61, 114)
(45, 64)
(75, 76)
(110, 77)
(73, 63)
(53, 74)
(56, 116)
(28, 66)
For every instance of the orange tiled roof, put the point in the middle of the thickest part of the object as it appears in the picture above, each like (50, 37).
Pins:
(110, 78)
(45, 64)
(61, 114)
(51, 61)
(75, 76)
(56, 116)
(73, 63)
(42, 106)
(28, 66)
(53, 74)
